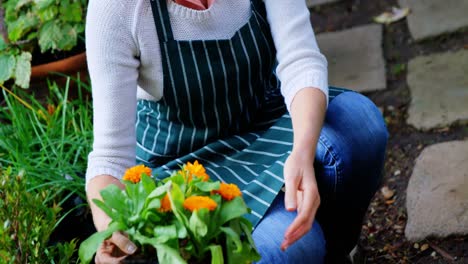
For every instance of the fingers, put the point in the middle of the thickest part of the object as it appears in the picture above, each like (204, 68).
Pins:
(291, 182)
(123, 243)
(300, 199)
(306, 214)
(105, 254)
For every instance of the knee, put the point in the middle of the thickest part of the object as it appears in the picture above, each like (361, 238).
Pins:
(360, 121)
(355, 134)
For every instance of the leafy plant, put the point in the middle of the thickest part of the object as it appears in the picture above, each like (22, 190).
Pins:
(49, 140)
(184, 218)
(26, 224)
(51, 25)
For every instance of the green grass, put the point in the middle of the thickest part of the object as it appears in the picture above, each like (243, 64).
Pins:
(49, 140)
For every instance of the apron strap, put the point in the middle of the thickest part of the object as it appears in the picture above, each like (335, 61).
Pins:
(161, 20)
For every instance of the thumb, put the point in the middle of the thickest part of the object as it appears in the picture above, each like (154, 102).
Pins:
(291, 182)
(123, 243)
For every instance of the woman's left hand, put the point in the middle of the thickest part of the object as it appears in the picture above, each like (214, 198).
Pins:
(301, 195)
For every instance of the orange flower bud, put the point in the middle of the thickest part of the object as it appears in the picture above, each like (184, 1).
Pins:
(134, 173)
(194, 203)
(228, 191)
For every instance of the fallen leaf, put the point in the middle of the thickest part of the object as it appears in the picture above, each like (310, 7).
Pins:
(393, 16)
(443, 129)
(389, 202)
(424, 247)
(416, 245)
(397, 172)
(387, 192)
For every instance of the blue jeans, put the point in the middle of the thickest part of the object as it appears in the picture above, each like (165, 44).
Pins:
(348, 164)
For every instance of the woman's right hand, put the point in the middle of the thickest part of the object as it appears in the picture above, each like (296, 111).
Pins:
(116, 248)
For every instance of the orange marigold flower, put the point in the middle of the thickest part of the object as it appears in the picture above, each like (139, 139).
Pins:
(134, 173)
(194, 203)
(228, 191)
(195, 169)
(165, 204)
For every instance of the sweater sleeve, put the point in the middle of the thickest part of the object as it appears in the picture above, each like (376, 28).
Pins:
(113, 62)
(300, 63)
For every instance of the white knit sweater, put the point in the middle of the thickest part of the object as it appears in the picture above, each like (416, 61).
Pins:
(124, 62)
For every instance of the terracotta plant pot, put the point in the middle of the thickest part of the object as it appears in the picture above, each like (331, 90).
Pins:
(74, 66)
(70, 65)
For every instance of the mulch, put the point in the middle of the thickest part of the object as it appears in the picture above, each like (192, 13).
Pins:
(382, 239)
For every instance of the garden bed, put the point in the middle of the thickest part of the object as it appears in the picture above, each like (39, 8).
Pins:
(382, 239)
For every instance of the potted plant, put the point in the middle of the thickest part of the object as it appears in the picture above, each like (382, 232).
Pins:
(185, 218)
(35, 31)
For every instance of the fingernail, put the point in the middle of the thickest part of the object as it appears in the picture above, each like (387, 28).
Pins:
(131, 249)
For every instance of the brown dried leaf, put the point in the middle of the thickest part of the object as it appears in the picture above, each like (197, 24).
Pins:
(387, 192)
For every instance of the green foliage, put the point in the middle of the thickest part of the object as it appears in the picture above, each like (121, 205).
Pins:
(51, 25)
(26, 224)
(49, 140)
(398, 68)
(179, 234)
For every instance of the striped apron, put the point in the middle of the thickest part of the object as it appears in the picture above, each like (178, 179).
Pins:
(221, 106)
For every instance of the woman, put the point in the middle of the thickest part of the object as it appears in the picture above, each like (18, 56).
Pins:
(200, 81)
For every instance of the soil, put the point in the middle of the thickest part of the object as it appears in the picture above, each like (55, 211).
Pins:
(382, 239)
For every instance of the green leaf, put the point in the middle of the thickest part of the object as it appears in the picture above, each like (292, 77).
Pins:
(148, 184)
(177, 199)
(22, 3)
(169, 255)
(89, 247)
(49, 35)
(181, 229)
(7, 67)
(142, 239)
(114, 197)
(19, 27)
(165, 233)
(154, 204)
(69, 37)
(151, 216)
(106, 209)
(136, 198)
(232, 209)
(248, 252)
(216, 254)
(43, 4)
(159, 191)
(71, 12)
(197, 224)
(207, 186)
(47, 14)
(3, 44)
(247, 229)
(23, 69)
(55, 35)
(233, 236)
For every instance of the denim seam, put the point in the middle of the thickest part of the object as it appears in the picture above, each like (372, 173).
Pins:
(338, 165)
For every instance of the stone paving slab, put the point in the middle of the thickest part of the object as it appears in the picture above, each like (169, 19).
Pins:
(430, 18)
(312, 3)
(439, 89)
(437, 194)
(355, 57)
